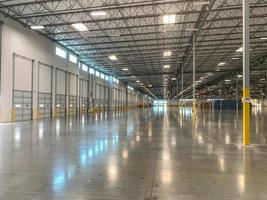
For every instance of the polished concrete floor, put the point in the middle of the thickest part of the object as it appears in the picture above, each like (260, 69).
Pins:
(147, 154)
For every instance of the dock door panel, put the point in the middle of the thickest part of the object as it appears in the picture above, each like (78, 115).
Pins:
(22, 88)
(44, 91)
(60, 93)
(73, 94)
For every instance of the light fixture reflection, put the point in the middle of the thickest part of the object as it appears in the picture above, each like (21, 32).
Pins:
(41, 133)
(210, 148)
(112, 172)
(221, 163)
(241, 182)
(200, 139)
(166, 176)
(166, 156)
(125, 154)
(17, 133)
(227, 139)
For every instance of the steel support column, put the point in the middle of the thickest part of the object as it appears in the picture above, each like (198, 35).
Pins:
(246, 74)
(237, 95)
(182, 84)
(194, 75)
(266, 84)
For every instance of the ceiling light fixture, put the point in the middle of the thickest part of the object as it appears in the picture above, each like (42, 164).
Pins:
(114, 35)
(235, 58)
(166, 66)
(173, 79)
(80, 27)
(239, 76)
(264, 38)
(37, 27)
(98, 13)
(186, 45)
(137, 81)
(191, 29)
(125, 69)
(167, 53)
(113, 57)
(227, 80)
(241, 50)
(201, 3)
(169, 19)
(221, 64)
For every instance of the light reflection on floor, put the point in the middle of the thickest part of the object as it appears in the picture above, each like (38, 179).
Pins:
(158, 153)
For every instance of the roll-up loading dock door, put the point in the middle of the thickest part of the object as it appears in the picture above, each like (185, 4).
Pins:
(84, 100)
(60, 93)
(73, 79)
(131, 100)
(118, 99)
(114, 107)
(106, 98)
(97, 97)
(44, 91)
(22, 88)
(101, 97)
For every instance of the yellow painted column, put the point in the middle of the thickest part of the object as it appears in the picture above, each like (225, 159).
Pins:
(194, 107)
(35, 113)
(13, 114)
(246, 116)
(54, 113)
(246, 73)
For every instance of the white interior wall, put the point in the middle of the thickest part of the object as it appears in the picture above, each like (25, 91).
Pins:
(25, 42)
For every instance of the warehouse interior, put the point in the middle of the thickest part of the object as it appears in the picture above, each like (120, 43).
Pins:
(133, 99)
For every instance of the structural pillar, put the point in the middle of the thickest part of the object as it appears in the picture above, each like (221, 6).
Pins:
(194, 75)
(266, 85)
(246, 78)
(237, 94)
(1, 30)
(110, 93)
(182, 82)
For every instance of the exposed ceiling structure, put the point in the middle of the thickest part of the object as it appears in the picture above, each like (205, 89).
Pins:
(139, 32)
